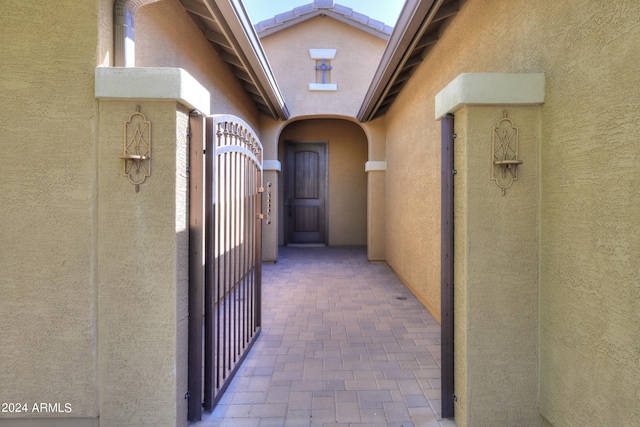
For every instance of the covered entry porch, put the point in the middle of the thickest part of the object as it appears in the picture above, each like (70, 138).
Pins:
(344, 342)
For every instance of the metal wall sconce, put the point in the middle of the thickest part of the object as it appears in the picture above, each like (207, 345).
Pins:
(504, 149)
(136, 151)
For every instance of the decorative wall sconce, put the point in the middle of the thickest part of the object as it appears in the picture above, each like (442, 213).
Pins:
(137, 148)
(504, 149)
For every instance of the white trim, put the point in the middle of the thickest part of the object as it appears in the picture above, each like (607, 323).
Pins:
(375, 165)
(490, 89)
(326, 87)
(322, 53)
(272, 165)
(153, 84)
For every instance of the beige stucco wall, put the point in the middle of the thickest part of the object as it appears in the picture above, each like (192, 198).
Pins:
(590, 268)
(48, 158)
(412, 234)
(589, 192)
(357, 57)
(347, 181)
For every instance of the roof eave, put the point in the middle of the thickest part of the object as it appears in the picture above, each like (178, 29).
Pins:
(412, 24)
(236, 25)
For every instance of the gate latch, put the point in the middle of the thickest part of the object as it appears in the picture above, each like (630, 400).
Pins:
(268, 214)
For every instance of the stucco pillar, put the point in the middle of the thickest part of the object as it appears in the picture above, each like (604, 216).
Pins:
(496, 248)
(376, 202)
(376, 169)
(271, 173)
(272, 168)
(143, 248)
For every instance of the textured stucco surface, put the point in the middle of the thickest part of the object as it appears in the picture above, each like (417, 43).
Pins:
(496, 263)
(48, 186)
(376, 191)
(347, 180)
(357, 57)
(590, 270)
(589, 189)
(412, 232)
(142, 272)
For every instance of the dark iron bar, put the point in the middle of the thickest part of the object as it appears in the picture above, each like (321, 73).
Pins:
(196, 263)
(446, 265)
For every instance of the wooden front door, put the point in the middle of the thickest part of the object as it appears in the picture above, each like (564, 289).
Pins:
(305, 192)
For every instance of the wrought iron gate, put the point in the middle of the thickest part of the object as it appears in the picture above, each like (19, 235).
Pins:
(230, 297)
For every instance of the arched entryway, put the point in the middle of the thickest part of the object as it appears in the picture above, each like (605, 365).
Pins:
(323, 184)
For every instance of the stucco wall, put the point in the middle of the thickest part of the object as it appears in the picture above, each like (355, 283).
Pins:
(48, 227)
(589, 205)
(590, 269)
(347, 189)
(357, 57)
(412, 235)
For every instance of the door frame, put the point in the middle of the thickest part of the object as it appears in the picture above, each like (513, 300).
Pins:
(286, 169)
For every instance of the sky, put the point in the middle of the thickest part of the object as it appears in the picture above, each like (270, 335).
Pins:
(386, 11)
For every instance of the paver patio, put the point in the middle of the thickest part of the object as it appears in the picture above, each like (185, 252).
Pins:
(343, 343)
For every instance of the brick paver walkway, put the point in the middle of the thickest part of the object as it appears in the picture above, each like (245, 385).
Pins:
(343, 343)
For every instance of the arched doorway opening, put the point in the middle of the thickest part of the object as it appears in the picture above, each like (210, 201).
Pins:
(323, 187)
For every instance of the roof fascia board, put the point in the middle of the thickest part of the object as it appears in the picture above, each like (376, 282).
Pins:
(413, 20)
(337, 16)
(234, 21)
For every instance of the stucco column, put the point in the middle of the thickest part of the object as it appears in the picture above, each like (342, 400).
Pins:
(496, 247)
(271, 171)
(376, 201)
(376, 169)
(272, 168)
(143, 247)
